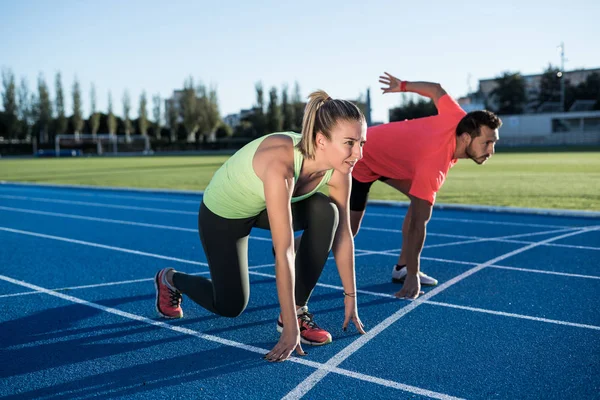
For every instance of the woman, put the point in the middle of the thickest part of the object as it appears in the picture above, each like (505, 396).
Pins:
(273, 183)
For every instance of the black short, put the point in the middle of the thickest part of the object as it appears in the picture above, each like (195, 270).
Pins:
(360, 193)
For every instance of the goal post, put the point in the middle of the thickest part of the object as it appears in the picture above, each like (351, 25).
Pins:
(102, 144)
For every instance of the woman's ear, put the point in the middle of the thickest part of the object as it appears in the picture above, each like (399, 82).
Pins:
(320, 140)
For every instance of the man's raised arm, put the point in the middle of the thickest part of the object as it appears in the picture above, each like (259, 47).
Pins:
(428, 89)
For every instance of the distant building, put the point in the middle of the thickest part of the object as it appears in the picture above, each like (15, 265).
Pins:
(532, 88)
(471, 103)
(234, 120)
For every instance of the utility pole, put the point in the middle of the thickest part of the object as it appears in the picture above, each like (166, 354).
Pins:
(561, 76)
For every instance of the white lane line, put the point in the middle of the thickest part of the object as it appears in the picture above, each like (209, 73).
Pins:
(95, 285)
(394, 253)
(114, 196)
(474, 309)
(175, 228)
(102, 246)
(96, 219)
(111, 221)
(475, 239)
(85, 203)
(471, 221)
(476, 221)
(306, 385)
(341, 289)
(566, 246)
(539, 271)
(227, 342)
(364, 253)
(366, 228)
(503, 239)
(512, 315)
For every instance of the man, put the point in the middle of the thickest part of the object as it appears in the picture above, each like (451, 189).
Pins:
(414, 157)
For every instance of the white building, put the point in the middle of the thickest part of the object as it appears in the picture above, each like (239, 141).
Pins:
(532, 87)
(234, 120)
(550, 129)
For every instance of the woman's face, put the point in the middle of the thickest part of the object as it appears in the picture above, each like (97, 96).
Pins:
(345, 147)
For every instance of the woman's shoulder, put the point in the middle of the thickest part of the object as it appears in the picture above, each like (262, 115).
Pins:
(275, 153)
(278, 142)
(283, 138)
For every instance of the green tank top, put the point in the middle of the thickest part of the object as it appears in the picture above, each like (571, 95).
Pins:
(236, 192)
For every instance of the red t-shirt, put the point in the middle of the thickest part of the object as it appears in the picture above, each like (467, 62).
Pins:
(418, 151)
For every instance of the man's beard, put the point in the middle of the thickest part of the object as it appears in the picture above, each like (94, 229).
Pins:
(478, 160)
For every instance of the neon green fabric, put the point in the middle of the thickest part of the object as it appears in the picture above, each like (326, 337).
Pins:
(236, 192)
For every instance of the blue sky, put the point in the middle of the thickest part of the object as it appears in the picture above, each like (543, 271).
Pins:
(339, 46)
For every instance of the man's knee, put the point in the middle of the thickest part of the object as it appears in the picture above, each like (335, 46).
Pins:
(355, 220)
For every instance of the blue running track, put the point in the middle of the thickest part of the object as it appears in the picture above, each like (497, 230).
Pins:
(516, 313)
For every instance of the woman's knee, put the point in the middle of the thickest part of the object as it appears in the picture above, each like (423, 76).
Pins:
(232, 306)
(323, 210)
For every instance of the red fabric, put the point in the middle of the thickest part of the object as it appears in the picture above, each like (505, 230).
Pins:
(419, 151)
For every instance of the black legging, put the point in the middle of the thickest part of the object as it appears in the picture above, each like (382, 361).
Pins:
(225, 243)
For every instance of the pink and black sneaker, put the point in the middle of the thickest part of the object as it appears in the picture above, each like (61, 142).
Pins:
(310, 333)
(168, 299)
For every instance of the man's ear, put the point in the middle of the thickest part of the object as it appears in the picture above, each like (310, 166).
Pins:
(466, 138)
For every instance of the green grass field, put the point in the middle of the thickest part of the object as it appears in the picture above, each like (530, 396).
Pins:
(536, 180)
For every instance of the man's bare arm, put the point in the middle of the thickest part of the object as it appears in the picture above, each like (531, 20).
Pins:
(420, 215)
(431, 90)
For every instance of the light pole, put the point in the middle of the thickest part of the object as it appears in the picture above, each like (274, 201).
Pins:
(561, 76)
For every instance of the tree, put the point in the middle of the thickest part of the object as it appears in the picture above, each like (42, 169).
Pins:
(111, 120)
(9, 101)
(43, 110)
(59, 103)
(223, 131)
(24, 110)
(411, 110)
(209, 111)
(143, 115)
(298, 106)
(590, 89)
(126, 110)
(172, 118)
(156, 112)
(34, 113)
(274, 117)
(189, 109)
(202, 113)
(549, 86)
(287, 111)
(509, 95)
(77, 112)
(258, 119)
(94, 115)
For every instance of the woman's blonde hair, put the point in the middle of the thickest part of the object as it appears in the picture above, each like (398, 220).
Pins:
(321, 114)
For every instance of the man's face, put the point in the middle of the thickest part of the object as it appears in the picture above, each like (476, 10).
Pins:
(482, 147)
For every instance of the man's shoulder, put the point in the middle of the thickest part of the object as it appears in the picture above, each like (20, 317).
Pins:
(447, 104)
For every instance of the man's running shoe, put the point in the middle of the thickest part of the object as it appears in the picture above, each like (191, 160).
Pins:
(399, 274)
